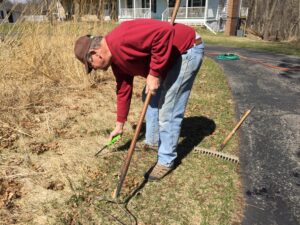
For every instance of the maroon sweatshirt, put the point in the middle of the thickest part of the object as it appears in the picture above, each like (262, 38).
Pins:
(141, 47)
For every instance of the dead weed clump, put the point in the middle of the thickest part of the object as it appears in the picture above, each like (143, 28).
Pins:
(39, 148)
(10, 191)
(7, 138)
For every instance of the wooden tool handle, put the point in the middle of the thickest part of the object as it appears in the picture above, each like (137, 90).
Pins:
(174, 13)
(132, 146)
(246, 114)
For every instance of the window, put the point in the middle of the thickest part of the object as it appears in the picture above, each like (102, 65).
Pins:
(1, 14)
(153, 6)
(107, 6)
(146, 4)
(171, 3)
(196, 3)
(129, 4)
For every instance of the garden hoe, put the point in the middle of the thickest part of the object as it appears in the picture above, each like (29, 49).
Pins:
(218, 153)
(139, 126)
(112, 141)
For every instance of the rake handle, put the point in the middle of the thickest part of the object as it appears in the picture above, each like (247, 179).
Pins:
(246, 114)
(132, 146)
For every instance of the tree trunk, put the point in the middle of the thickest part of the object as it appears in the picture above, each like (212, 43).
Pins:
(114, 10)
(274, 19)
(77, 10)
(100, 10)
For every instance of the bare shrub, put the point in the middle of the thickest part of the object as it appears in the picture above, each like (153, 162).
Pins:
(37, 63)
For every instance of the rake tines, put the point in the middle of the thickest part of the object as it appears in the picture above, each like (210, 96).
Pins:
(221, 155)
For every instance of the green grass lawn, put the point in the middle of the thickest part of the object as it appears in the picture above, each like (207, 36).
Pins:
(289, 48)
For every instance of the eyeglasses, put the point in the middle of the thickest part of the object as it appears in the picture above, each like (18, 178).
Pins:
(89, 59)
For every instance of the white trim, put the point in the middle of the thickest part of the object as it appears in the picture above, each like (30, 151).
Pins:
(208, 27)
(205, 12)
(119, 3)
(134, 10)
(186, 8)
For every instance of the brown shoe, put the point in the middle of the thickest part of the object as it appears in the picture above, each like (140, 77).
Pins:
(158, 172)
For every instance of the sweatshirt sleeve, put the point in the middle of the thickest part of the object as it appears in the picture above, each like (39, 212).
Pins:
(161, 50)
(124, 93)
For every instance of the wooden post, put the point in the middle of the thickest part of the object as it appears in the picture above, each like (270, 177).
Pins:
(186, 8)
(232, 17)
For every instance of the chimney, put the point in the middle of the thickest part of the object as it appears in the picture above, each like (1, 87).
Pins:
(232, 17)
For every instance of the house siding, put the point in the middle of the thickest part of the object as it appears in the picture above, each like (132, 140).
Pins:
(212, 9)
(160, 8)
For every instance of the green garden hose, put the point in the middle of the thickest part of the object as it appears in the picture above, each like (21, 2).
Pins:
(228, 56)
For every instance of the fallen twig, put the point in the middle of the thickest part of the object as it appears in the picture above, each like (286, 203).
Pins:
(27, 106)
(23, 175)
(5, 125)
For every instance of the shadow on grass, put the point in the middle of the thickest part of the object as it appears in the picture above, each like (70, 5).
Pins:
(193, 130)
(141, 136)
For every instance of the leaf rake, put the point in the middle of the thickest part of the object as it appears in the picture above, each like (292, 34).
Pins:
(218, 153)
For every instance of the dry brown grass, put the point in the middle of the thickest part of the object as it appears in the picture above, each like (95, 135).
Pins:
(46, 104)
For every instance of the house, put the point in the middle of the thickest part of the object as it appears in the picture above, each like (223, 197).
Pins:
(9, 12)
(209, 13)
(2, 11)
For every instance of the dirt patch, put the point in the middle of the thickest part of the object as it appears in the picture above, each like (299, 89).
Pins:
(55, 185)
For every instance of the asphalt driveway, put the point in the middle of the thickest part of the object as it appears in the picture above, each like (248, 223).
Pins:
(270, 137)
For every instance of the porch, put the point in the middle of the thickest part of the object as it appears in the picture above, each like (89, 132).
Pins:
(133, 13)
(185, 13)
(193, 12)
(132, 9)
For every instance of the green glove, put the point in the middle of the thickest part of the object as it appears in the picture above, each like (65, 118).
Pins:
(112, 141)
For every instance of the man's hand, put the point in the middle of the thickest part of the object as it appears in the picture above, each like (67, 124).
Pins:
(152, 84)
(118, 130)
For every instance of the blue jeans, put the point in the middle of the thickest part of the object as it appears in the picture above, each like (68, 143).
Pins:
(166, 109)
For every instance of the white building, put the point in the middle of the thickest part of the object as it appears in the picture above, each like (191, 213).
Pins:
(191, 12)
